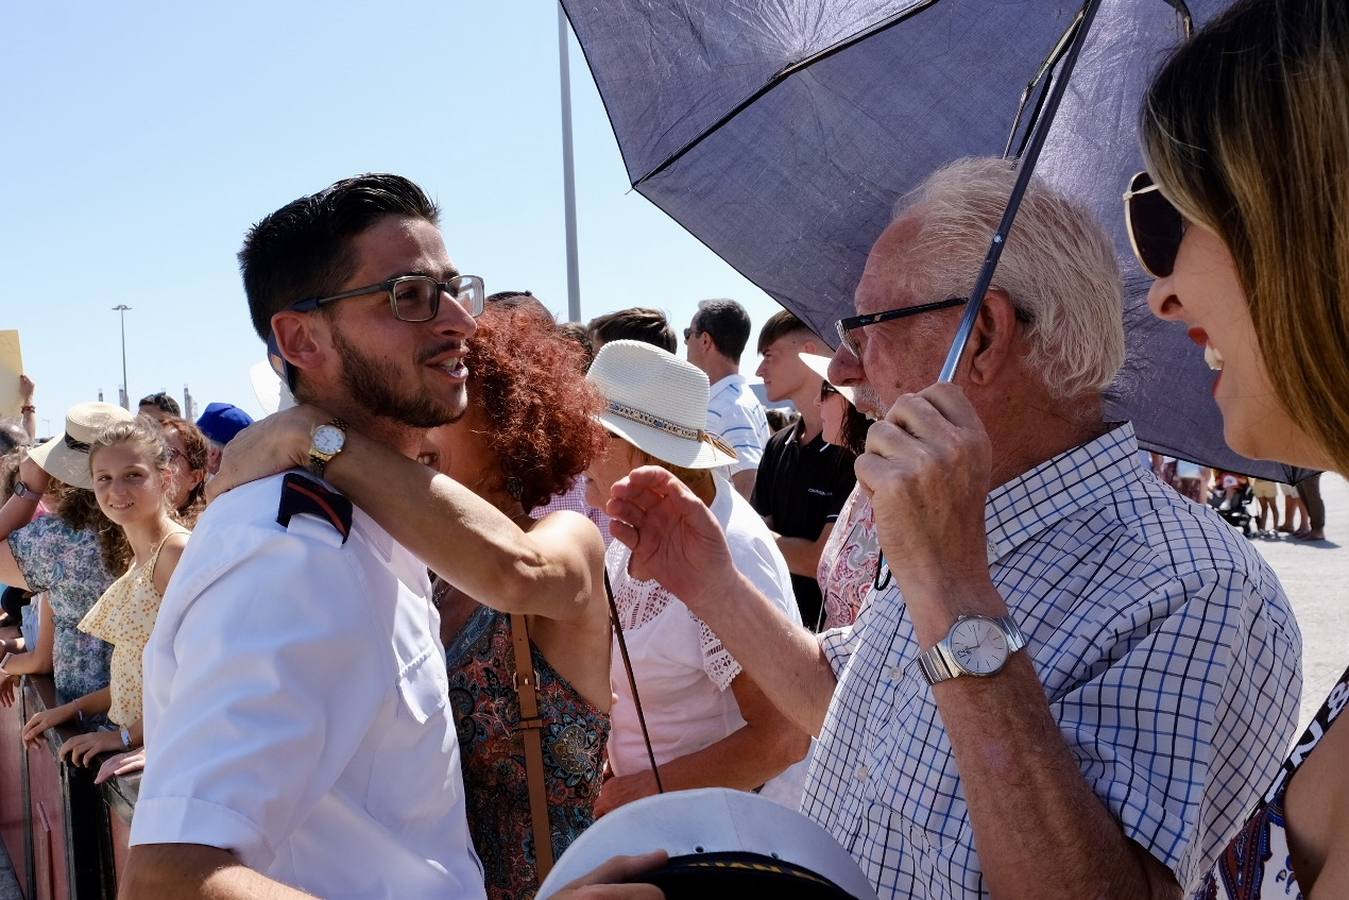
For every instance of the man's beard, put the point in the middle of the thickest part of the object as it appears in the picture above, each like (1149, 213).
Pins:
(367, 385)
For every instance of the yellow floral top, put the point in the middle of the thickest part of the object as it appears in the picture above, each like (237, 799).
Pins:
(124, 617)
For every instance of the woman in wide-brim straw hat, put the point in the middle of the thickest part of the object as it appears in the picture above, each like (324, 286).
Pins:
(72, 555)
(1243, 219)
(709, 725)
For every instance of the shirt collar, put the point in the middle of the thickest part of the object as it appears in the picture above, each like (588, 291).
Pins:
(1017, 511)
(735, 379)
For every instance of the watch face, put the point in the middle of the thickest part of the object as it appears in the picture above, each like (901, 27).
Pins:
(328, 439)
(978, 645)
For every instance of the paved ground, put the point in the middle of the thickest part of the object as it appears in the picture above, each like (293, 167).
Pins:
(1316, 577)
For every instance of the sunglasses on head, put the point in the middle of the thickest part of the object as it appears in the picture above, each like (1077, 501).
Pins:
(1155, 226)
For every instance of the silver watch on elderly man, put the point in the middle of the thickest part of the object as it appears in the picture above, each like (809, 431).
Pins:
(975, 645)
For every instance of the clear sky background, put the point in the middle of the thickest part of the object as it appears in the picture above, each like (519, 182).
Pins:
(141, 139)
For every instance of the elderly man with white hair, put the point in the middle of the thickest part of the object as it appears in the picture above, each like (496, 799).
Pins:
(1071, 682)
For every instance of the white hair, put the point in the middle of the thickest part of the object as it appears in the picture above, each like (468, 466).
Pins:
(1058, 267)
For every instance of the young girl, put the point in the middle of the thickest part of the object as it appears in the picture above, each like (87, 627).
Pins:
(130, 464)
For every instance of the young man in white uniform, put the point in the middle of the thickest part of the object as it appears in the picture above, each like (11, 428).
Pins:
(296, 717)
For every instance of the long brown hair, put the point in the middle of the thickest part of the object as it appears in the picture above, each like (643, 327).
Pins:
(198, 456)
(1246, 130)
(78, 509)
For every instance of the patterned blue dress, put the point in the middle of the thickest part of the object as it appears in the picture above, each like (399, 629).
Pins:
(67, 564)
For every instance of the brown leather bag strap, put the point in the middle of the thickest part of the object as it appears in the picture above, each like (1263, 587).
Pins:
(632, 681)
(530, 725)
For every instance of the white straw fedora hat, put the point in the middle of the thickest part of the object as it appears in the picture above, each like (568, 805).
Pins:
(721, 843)
(820, 366)
(66, 456)
(658, 403)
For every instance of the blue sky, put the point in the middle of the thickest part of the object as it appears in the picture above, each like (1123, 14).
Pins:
(142, 139)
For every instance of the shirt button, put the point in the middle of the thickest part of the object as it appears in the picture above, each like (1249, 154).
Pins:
(897, 673)
(863, 773)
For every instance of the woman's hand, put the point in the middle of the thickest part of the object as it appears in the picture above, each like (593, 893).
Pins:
(277, 443)
(48, 718)
(121, 764)
(82, 749)
(7, 686)
(623, 789)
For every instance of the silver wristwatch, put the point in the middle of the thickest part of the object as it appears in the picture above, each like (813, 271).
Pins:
(975, 645)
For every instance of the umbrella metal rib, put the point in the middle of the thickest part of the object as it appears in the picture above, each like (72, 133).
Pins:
(783, 75)
(1026, 169)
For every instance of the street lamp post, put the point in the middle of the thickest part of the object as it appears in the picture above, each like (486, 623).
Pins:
(126, 397)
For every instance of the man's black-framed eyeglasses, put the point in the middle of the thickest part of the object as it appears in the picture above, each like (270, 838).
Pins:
(851, 323)
(413, 298)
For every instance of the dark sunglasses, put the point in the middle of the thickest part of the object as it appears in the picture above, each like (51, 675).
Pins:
(1155, 226)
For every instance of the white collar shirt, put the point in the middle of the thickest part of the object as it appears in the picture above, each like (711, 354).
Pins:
(1167, 650)
(736, 416)
(296, 708)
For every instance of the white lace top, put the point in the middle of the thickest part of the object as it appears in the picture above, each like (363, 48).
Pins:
(682, 670)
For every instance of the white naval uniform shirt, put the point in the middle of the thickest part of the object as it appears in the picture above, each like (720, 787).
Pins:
(296, 708)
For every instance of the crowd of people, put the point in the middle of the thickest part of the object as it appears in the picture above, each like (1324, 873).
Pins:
(493, 578)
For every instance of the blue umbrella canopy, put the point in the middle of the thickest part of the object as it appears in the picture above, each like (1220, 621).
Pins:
(782, 132)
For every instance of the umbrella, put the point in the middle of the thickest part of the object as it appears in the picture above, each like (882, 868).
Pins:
(780, 133)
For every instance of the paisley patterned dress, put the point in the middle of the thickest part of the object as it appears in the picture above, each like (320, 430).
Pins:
(486, 710)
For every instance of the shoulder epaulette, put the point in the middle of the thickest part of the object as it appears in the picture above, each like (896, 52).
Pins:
(304, 496)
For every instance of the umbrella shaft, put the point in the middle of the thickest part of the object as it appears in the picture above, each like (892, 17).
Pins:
(1024, 173)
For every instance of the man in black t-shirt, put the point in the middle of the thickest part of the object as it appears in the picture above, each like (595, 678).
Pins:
(802, 481)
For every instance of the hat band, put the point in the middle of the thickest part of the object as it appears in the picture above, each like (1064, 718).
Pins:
(642, 417)
(77, 446)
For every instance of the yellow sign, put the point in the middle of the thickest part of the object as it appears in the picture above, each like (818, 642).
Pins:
(11, 367)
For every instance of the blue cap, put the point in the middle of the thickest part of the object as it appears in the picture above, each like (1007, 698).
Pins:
(222, 421)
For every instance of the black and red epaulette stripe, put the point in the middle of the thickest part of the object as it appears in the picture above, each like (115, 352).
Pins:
(301, 495)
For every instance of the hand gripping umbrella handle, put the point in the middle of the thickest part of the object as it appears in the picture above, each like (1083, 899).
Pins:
(1027, 168)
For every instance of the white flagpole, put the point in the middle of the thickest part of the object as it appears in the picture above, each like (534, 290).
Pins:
(568, 171)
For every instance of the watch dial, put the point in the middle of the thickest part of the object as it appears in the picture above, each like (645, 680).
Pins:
(328, 439)
(979, 646)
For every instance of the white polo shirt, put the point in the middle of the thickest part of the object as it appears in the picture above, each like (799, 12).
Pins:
(296, 708)
(736, 416)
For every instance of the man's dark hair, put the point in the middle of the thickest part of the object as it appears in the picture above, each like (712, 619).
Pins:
(779, 326)
(575, 331)
(727, 323)
(303, 249)
(162, 402)
(637, 324)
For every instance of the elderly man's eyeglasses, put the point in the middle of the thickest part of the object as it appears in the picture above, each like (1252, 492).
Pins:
(852, 323)
(413, 298)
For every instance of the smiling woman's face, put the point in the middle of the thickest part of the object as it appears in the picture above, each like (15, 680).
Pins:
(1205, 293)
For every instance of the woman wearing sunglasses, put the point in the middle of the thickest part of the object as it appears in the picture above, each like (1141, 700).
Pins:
(1243, 219)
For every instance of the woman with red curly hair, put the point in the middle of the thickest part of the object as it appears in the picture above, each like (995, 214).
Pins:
(527, 433)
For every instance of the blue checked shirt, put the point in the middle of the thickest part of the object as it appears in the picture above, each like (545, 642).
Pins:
(736, 416)
(1166, 647)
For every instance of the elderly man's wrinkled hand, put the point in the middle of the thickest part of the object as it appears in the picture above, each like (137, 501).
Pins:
(674, 537)
(926, 469)
(272, 445)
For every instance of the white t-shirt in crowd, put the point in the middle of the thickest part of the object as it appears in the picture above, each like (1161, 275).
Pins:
(736, 416)
(297, 710)
(683, 673)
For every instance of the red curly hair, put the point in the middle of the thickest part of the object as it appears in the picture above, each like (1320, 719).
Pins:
(529, 380)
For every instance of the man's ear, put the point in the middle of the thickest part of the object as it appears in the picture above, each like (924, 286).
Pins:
(301, 338)
(812, 346)
(992, 344)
